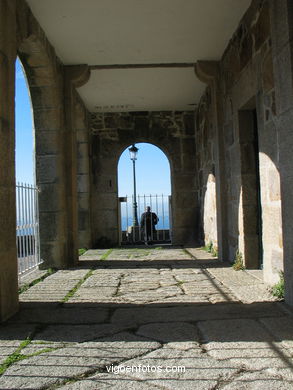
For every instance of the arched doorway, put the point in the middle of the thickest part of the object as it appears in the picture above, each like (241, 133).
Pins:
(111, 134)
(150, 200)
(27, 212)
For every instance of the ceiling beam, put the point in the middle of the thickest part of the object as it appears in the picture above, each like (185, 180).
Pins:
(143, 66)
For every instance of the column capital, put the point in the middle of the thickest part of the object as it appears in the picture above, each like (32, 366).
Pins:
(78, 75)
(206, 71)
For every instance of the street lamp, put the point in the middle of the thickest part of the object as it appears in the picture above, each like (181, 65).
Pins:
(133, 156)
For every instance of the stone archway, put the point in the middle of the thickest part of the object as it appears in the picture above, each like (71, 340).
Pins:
(56, 121)
(171, 132)
(153, 189)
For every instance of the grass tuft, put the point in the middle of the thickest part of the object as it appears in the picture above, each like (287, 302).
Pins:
(105, 255)
(26, 286)
(81, 251)
(210, 248)
(76, 287)
(238, 262)
(16, 356)
(278, 290)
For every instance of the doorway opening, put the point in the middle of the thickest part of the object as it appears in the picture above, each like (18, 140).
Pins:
(27, 213)
(251, 189)
(144, 201)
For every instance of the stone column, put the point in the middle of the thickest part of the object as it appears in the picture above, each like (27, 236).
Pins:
(208, 73)
(184, 200)
(75, 76)
(83, 177)
(8, 253)
(282, 46)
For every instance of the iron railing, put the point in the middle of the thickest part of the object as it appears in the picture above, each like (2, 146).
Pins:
(159, 204)
(27, 228)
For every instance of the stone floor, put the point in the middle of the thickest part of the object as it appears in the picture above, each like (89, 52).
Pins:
(148, 319)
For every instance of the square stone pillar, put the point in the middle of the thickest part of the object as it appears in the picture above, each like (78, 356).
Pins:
(282, 46)
(8, 253)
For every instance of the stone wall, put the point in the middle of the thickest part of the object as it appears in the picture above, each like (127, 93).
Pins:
(246, 90)
(173, 132)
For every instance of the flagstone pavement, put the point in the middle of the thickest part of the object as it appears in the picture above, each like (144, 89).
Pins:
(149, 318)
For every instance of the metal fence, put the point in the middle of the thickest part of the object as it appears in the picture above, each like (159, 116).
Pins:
(27, 228)
(159, 204)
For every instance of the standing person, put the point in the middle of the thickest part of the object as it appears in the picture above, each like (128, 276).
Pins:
(148, 221)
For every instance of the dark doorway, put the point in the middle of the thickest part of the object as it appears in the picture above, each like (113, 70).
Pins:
(251, 189)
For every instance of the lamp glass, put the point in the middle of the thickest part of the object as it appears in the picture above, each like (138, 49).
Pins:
(133, 152)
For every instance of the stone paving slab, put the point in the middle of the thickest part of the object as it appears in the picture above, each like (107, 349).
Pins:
(57, 366)
(257, 381)
(243, 284)
(193, 313)
(54, 287)
(281, 329)
(29, 277)
(149, 307)
(11, 338)
(109, 381)
(201, 371)
(62, 315)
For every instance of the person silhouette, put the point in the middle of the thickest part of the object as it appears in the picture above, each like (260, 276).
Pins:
(148, 221)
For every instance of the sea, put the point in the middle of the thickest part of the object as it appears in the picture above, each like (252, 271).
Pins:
(163, 223)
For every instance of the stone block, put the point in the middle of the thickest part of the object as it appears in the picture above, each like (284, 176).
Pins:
(283, 79)
(251, 252)
(249, 194)
(277, 260)
(247, 158)
(245, 50)
(250, 221)
(80, 119)
(286, 142)
(272, 224)
(8, 279)
(52, 225)
(229, 133)
(53, 254)
(268, 73)
(7, 174)
(7, 218)
(83, 220)
(38, 75)
(235, 161)
(43, 96)
(141, 124)
(82, 150)
(189, 123)
(83, 200)
(274, 185)
(282, 28)
(47, 142)
(51, 197)
(47, 168)
(268, 141)
(82, 135)
(262, 29)
(84, 239)
(48, 119)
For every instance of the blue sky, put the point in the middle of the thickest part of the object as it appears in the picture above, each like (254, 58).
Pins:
(24, 129)
(152, 172)
(152, 166)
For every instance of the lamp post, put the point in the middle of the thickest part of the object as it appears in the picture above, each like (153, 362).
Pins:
(133, 156)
